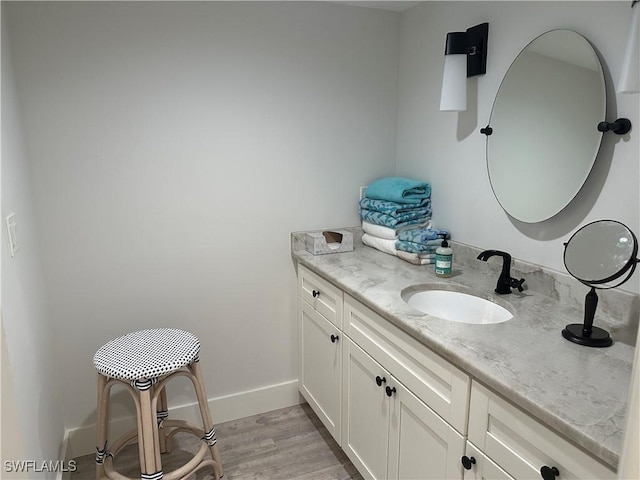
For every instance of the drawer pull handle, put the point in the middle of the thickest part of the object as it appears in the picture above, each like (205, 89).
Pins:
(549, 473)
(468, 462)
(390, 391)
(315, 293)
(334, 338)
(380, 380)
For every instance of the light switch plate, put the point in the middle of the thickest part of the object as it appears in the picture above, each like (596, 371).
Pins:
(10, 221)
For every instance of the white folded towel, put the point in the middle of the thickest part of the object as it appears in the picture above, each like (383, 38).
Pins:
(381, 231)
(383, 244)
(415, 258)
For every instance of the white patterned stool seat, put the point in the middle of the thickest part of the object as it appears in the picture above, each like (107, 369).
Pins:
(144, 362)
(147, 354)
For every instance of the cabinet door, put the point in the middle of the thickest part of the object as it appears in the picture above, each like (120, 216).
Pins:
(421, 444)
(365, 412)
(321, 367)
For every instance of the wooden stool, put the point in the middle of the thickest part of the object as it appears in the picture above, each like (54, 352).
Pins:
(143, 362)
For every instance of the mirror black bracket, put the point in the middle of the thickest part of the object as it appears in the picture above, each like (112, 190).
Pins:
(621, 126)
(486, 130)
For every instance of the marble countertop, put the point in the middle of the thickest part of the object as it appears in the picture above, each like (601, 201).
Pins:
(580, 392)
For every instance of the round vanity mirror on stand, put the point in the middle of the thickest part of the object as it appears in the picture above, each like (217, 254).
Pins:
(601, 255)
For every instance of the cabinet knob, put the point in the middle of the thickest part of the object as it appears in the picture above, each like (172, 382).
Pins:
(334, 338)
(468, 462)
(315, 293)
(549, 473)
(380, 380)
(390, 391)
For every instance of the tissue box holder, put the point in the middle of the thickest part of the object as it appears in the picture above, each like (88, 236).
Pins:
(329, 241)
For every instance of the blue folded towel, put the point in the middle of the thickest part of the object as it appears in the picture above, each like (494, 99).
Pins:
(399, 189)
(413, 247)
(393, 208)
(415, 217)
(423, 235)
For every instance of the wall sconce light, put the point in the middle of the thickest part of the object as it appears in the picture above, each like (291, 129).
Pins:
(465, 55)
(630, 74)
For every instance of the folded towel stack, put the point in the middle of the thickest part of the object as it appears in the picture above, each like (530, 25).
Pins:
(396, 203)
(396, 219)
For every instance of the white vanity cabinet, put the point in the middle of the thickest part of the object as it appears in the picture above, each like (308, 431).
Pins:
(400, 411)
(387, 431)
(522, 446)
(320, 340)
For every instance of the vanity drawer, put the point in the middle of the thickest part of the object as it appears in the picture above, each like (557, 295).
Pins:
(521, 445)
(443, 387)
(321, 295)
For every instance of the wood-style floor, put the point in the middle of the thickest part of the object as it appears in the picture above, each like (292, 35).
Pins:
(285, 444)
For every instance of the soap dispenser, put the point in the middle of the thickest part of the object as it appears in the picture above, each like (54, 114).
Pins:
(444, 258)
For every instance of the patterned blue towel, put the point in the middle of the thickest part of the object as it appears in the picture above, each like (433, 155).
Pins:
(399, 189)
(423, 235)
(393, 208)
(413, 247)
(411, 218)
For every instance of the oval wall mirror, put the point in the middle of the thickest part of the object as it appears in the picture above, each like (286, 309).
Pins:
(601, 254)
(544, 120)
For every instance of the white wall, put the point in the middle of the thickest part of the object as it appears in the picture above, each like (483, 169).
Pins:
(29, 358)
(448, 150)
(175, 146)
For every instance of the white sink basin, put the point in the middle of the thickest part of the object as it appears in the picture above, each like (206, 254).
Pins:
(455, 306)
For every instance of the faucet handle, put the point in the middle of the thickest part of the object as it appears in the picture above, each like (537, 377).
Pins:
(513, 283)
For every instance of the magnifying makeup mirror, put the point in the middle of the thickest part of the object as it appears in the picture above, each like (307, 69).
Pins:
(601, 255)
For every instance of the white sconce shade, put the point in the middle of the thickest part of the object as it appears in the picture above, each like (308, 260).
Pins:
(454, 84)
(630, 74)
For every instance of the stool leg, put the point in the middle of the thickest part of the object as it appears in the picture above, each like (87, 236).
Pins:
(206, 417)
(102, 426)
(162, 413)
(150, 464)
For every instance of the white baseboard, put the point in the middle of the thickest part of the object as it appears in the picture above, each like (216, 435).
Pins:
(81, 441)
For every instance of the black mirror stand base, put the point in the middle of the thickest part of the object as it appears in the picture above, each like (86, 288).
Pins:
(586, 334)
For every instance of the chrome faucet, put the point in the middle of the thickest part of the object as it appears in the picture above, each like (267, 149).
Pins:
(505, 281)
